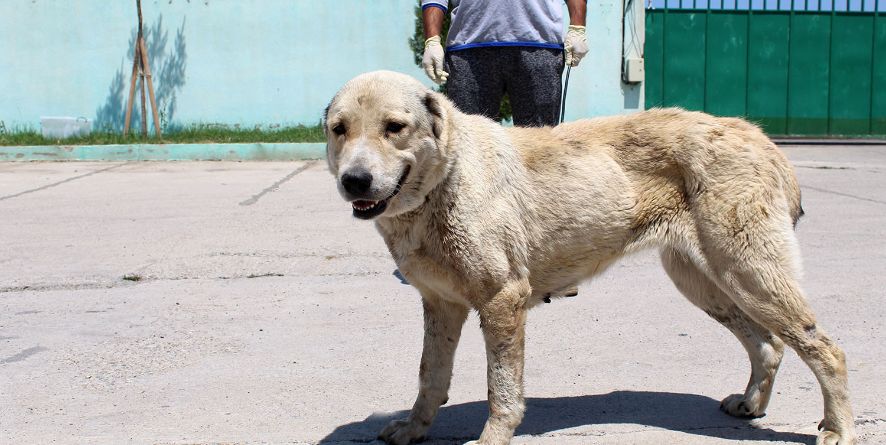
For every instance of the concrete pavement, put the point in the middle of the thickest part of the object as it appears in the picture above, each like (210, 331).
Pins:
(225, 302)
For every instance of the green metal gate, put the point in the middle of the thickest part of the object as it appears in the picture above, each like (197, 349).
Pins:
(797, 67)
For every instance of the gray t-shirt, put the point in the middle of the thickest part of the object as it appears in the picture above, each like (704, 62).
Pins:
(479, 23)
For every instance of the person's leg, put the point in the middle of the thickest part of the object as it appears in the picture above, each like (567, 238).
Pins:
(475, 84)
(534, 86)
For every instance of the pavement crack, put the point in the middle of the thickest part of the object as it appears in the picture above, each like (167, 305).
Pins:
(845, 166)
(848, 195)
(273, 187)
(825, 167)
(869, 421)
(144, 279)
(23, 355)
(264, 275)
(58, 183)
(286, 256)
(52, 287)
(127, 281)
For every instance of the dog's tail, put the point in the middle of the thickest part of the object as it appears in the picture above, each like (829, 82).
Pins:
(790, 187)
(799, 214)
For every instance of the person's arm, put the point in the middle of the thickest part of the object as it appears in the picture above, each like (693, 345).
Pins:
(432, 18)
(576, 44)
(578, 10)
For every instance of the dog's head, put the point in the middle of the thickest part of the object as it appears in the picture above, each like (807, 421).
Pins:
(384, 134)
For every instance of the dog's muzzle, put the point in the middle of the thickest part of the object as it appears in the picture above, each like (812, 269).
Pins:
(358, 184)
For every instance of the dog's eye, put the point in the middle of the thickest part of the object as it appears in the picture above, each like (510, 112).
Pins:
(339, 129)
(394, 127)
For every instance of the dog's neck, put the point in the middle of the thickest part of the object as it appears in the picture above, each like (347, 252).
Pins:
(432, 209)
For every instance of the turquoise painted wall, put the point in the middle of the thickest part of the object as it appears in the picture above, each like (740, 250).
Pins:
(244, 62)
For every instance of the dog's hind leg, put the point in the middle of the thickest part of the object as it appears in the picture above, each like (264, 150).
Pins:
(443, 324)
(752, 250)
(764, 350)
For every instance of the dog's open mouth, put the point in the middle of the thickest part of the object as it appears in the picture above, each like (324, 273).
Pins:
(365, 209)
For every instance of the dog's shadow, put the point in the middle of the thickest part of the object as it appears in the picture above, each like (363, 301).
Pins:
(688, 413)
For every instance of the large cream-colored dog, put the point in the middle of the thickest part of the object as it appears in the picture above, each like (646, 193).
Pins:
(478, 216)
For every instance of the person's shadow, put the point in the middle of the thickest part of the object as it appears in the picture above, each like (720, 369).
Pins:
(688, 413)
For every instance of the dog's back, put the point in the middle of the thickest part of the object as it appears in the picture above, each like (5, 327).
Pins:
(673, 146)
(607, 186)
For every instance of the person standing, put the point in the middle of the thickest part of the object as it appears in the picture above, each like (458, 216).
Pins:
(496, 47)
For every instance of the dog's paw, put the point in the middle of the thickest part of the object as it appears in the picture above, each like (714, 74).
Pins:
(403, 432)
(832, 438)
(829, 437)
(738, 406)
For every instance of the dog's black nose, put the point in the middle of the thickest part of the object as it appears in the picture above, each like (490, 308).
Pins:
(356, 181)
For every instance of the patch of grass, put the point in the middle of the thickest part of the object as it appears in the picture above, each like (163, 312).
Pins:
(194, 134)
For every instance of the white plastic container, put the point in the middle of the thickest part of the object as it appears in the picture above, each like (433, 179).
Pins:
(64, 127)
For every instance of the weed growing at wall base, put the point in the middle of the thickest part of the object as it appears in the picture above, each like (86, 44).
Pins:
(195, 134)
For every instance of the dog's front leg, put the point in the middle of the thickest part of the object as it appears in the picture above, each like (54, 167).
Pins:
(503, 321)
(443, 323)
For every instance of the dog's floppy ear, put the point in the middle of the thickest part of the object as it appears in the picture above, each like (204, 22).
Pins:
(435, 108)
(329, 155)
(326, 118)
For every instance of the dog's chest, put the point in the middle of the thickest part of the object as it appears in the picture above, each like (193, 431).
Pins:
(438, 261)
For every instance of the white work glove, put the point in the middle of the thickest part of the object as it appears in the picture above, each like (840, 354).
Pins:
(432, 61)
(576, 45)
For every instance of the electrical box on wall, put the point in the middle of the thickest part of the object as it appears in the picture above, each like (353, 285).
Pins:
(634, 71)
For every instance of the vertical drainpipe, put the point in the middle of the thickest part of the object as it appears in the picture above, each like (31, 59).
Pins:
(707, 39)
(664, 50)
(787, 105)
(873, 62)
(747, 64)
(639, 15)
(830, 59)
